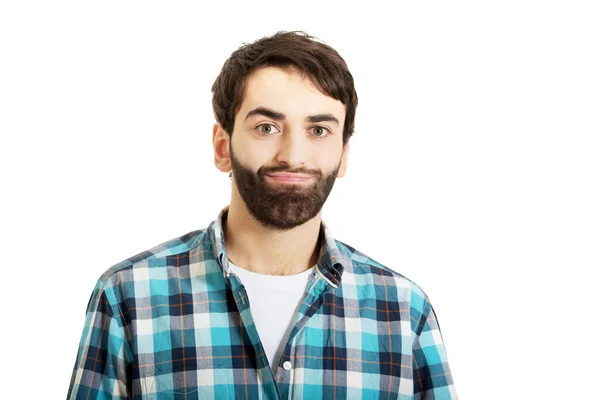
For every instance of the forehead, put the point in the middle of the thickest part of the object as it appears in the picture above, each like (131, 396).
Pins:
(286, 90)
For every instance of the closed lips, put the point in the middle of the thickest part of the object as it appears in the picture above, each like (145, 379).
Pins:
(290, 176)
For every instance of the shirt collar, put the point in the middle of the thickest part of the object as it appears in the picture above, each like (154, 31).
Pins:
(332, 261)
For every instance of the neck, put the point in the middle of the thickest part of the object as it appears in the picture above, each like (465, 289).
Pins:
(251, 246)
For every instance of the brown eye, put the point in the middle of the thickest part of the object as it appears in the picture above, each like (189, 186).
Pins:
(266, 129)
(320, 131)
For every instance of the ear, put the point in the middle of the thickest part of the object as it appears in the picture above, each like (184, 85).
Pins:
(221, 148)
(344, 160)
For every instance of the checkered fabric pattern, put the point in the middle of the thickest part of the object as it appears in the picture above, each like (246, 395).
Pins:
(174, 323)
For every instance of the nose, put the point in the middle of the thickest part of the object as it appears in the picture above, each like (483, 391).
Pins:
(293, 148)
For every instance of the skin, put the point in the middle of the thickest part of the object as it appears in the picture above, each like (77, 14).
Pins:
(273, 227)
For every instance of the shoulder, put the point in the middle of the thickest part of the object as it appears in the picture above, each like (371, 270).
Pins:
(369, 280)
(365, 270)
(172, 247)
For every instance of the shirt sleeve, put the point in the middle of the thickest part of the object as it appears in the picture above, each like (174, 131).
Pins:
(431, 372)
(101, 367)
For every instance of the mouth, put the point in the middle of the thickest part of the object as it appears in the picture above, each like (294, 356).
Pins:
(290, 178)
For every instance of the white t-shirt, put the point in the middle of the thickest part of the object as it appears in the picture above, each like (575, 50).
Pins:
(274, 301)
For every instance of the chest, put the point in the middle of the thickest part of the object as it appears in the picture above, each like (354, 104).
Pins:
(343, 349)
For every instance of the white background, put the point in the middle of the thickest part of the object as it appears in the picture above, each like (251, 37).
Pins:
(474, 169)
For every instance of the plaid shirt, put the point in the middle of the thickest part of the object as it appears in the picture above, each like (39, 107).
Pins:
(174, 323)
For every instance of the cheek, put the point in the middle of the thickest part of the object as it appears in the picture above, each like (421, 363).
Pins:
(330, 158)
(259, 153)
(253, 154)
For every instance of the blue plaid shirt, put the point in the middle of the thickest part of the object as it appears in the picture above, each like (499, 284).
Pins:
(174, 323)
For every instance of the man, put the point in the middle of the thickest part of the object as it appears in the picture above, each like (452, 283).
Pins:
(264, 302)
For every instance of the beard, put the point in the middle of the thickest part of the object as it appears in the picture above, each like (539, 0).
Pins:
(284, 206)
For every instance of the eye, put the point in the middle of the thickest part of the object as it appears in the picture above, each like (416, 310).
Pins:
(266, 129)
(320, 131)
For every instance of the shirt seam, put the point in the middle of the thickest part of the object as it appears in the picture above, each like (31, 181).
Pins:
(127, 336)
(117, 267)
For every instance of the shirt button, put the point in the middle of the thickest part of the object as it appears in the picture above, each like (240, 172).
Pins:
(287, 365)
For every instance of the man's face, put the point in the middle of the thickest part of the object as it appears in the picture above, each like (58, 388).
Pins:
(286, 126)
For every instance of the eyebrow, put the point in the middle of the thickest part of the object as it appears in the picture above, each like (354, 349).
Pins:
(267, 112)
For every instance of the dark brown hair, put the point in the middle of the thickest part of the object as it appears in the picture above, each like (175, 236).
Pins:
(326, 69)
